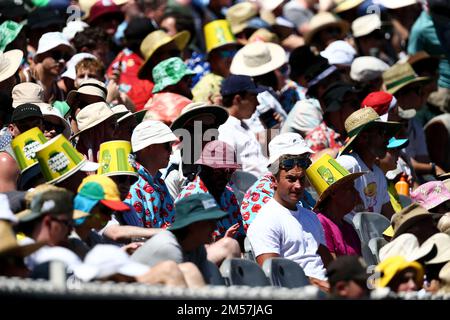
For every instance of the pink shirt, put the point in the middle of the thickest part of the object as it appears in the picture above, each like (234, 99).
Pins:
(341, 240)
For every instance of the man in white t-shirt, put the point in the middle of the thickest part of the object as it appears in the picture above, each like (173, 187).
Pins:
(281, 228)
(369, 137)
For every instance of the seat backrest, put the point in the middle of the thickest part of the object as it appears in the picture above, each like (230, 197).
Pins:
(286, 273)
(243, 272)
(212, 274)
(375, 245)
(248, 250)
(243, 180)
(370, 225)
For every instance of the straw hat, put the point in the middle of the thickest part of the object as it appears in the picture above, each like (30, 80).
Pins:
(258, 58)
(324, 20)
(9, 245)
(365, 25)
(194, 110)
(362, 119)
(92, 115)
(28, 92)
(114, 159)
(239, 14)
(327, 175)
(59, 160)
(217, 34)
(400, 75)
(156, 40)
(344, 5)
(9, 63)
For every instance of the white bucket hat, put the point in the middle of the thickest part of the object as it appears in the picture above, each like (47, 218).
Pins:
(71, 64)
(9, 63)
(105, 260)
(50, 41)
(258, 58)
(92, 115)
(29, 92)
(287, 143)
(150, 132)
(367, 68)
(365, 25)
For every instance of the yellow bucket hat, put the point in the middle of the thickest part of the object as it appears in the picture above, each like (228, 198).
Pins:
(217, 34)
(59, 160)
(114, 159)
(156, 40)
(392, 266)
(24, 147)
(326, 175)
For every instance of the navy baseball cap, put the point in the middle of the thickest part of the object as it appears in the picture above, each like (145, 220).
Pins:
(237, 83)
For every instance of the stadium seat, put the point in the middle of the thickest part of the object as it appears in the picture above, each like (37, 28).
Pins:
(242, 272)
(284, 273)
(248, 250)
(212, 275)
(241, 182)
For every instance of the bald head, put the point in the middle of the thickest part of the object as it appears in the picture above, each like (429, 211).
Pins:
(9, 173)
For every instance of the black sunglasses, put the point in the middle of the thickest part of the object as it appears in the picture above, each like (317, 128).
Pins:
(288, 164)
(59, 55)
(49, 126)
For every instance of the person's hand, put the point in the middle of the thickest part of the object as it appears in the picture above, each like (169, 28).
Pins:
(113, 91)
(232, 230)
(321, 284)
(131, 247)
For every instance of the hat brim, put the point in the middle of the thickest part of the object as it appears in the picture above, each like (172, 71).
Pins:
(14, 57)
(406, 224)
(82, 165)
(391, 127)
(277, 54)
(78, 214)
(406, 113)
(28, 174)
(62, 47)
(172, 81)
(344, 26)
(140, 115)
(397, 143)
(347, 5)
(348, 178)
(444, 176)
(23, 251)
(180, 39)
(90, 126)
(27, 215)
(214, 214)
(400, 86)
(115, 205)
(220, 114)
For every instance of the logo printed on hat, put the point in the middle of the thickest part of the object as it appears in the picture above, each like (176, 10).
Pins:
(25, 145)
(218, 33)
(207, 204)
(58, 162)
(115, 158)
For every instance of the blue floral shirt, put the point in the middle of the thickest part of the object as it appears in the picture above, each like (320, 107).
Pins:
(228, 203)
(151, 200)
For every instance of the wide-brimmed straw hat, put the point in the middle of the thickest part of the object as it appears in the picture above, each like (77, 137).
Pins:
(362, 119)
(258, 58)
(327, 175)
(156, 40)
(9, 63)
(399, 76)
(324, 20)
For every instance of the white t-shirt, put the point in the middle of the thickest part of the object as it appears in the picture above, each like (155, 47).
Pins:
(372, 186)
(294, 235)
(248, 149)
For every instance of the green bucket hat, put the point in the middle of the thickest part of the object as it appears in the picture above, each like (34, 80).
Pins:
(9, 30)
(169, 72)
(196, 207)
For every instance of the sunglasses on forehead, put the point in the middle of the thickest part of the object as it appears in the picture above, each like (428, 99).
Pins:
(288, 164)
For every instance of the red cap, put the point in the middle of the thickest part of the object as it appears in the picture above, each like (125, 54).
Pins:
(380, 101)
(101, 8)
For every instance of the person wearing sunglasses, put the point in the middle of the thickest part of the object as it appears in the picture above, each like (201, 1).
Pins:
(51, 56)
(281, 227)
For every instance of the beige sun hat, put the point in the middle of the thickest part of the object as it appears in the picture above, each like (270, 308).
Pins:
(362, 119)
(442, 242)
(395, 4)
(365, 25)
(344, 5)
(400, 75)
(156, 40)
(9, 63)
(29, 92)
(408, 216)
(240, 14)
(258, 58)
(92, 115)
(324, 20)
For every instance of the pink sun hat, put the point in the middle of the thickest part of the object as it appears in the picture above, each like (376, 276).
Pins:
(431, 194)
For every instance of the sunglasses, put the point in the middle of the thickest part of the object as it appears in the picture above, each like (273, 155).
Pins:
(288, 164)
(68, 223)
(49, 126)
(59, 55)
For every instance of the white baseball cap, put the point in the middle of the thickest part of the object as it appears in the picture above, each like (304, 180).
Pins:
(287, 143)
(150, 132)
(339, 52)
(365, 25)
(105, 260)
(367, 68)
